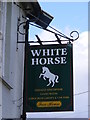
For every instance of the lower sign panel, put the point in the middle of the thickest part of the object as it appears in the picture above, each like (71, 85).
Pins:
(49, 78)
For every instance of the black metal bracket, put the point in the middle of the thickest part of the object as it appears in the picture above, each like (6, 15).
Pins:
(58, 39)
(57, 34)
(39, 41)
(23, 117)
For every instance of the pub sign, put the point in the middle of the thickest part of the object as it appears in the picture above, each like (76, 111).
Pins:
(49, 78)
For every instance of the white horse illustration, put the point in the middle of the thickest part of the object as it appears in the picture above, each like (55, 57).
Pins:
(48, 75)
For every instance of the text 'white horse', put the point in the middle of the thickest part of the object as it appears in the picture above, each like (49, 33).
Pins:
(50, 76)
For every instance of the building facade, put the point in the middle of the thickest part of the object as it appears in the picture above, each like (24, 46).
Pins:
(12, 52)
(11, 61)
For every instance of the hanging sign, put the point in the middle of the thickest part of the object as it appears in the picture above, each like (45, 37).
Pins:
(49, 78)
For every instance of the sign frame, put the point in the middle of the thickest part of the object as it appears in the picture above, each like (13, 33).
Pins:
(37, 103)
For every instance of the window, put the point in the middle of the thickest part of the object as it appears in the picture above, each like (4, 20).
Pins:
(0, 17)
(0, 41)
(5, 30)
(7, 39)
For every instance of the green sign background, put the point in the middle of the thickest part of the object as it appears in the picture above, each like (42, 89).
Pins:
(42, 98)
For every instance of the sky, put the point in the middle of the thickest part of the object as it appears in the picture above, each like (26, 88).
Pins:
(69, 16)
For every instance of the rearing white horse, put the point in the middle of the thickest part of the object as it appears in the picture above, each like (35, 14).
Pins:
(47, 74)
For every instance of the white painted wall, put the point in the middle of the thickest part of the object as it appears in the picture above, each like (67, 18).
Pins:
(0, 64)
(13, 63)
(0, 78)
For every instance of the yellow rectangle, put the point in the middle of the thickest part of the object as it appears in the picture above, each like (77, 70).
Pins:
(49, 104)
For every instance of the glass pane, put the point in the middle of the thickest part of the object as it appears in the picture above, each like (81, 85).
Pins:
(0, 22)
